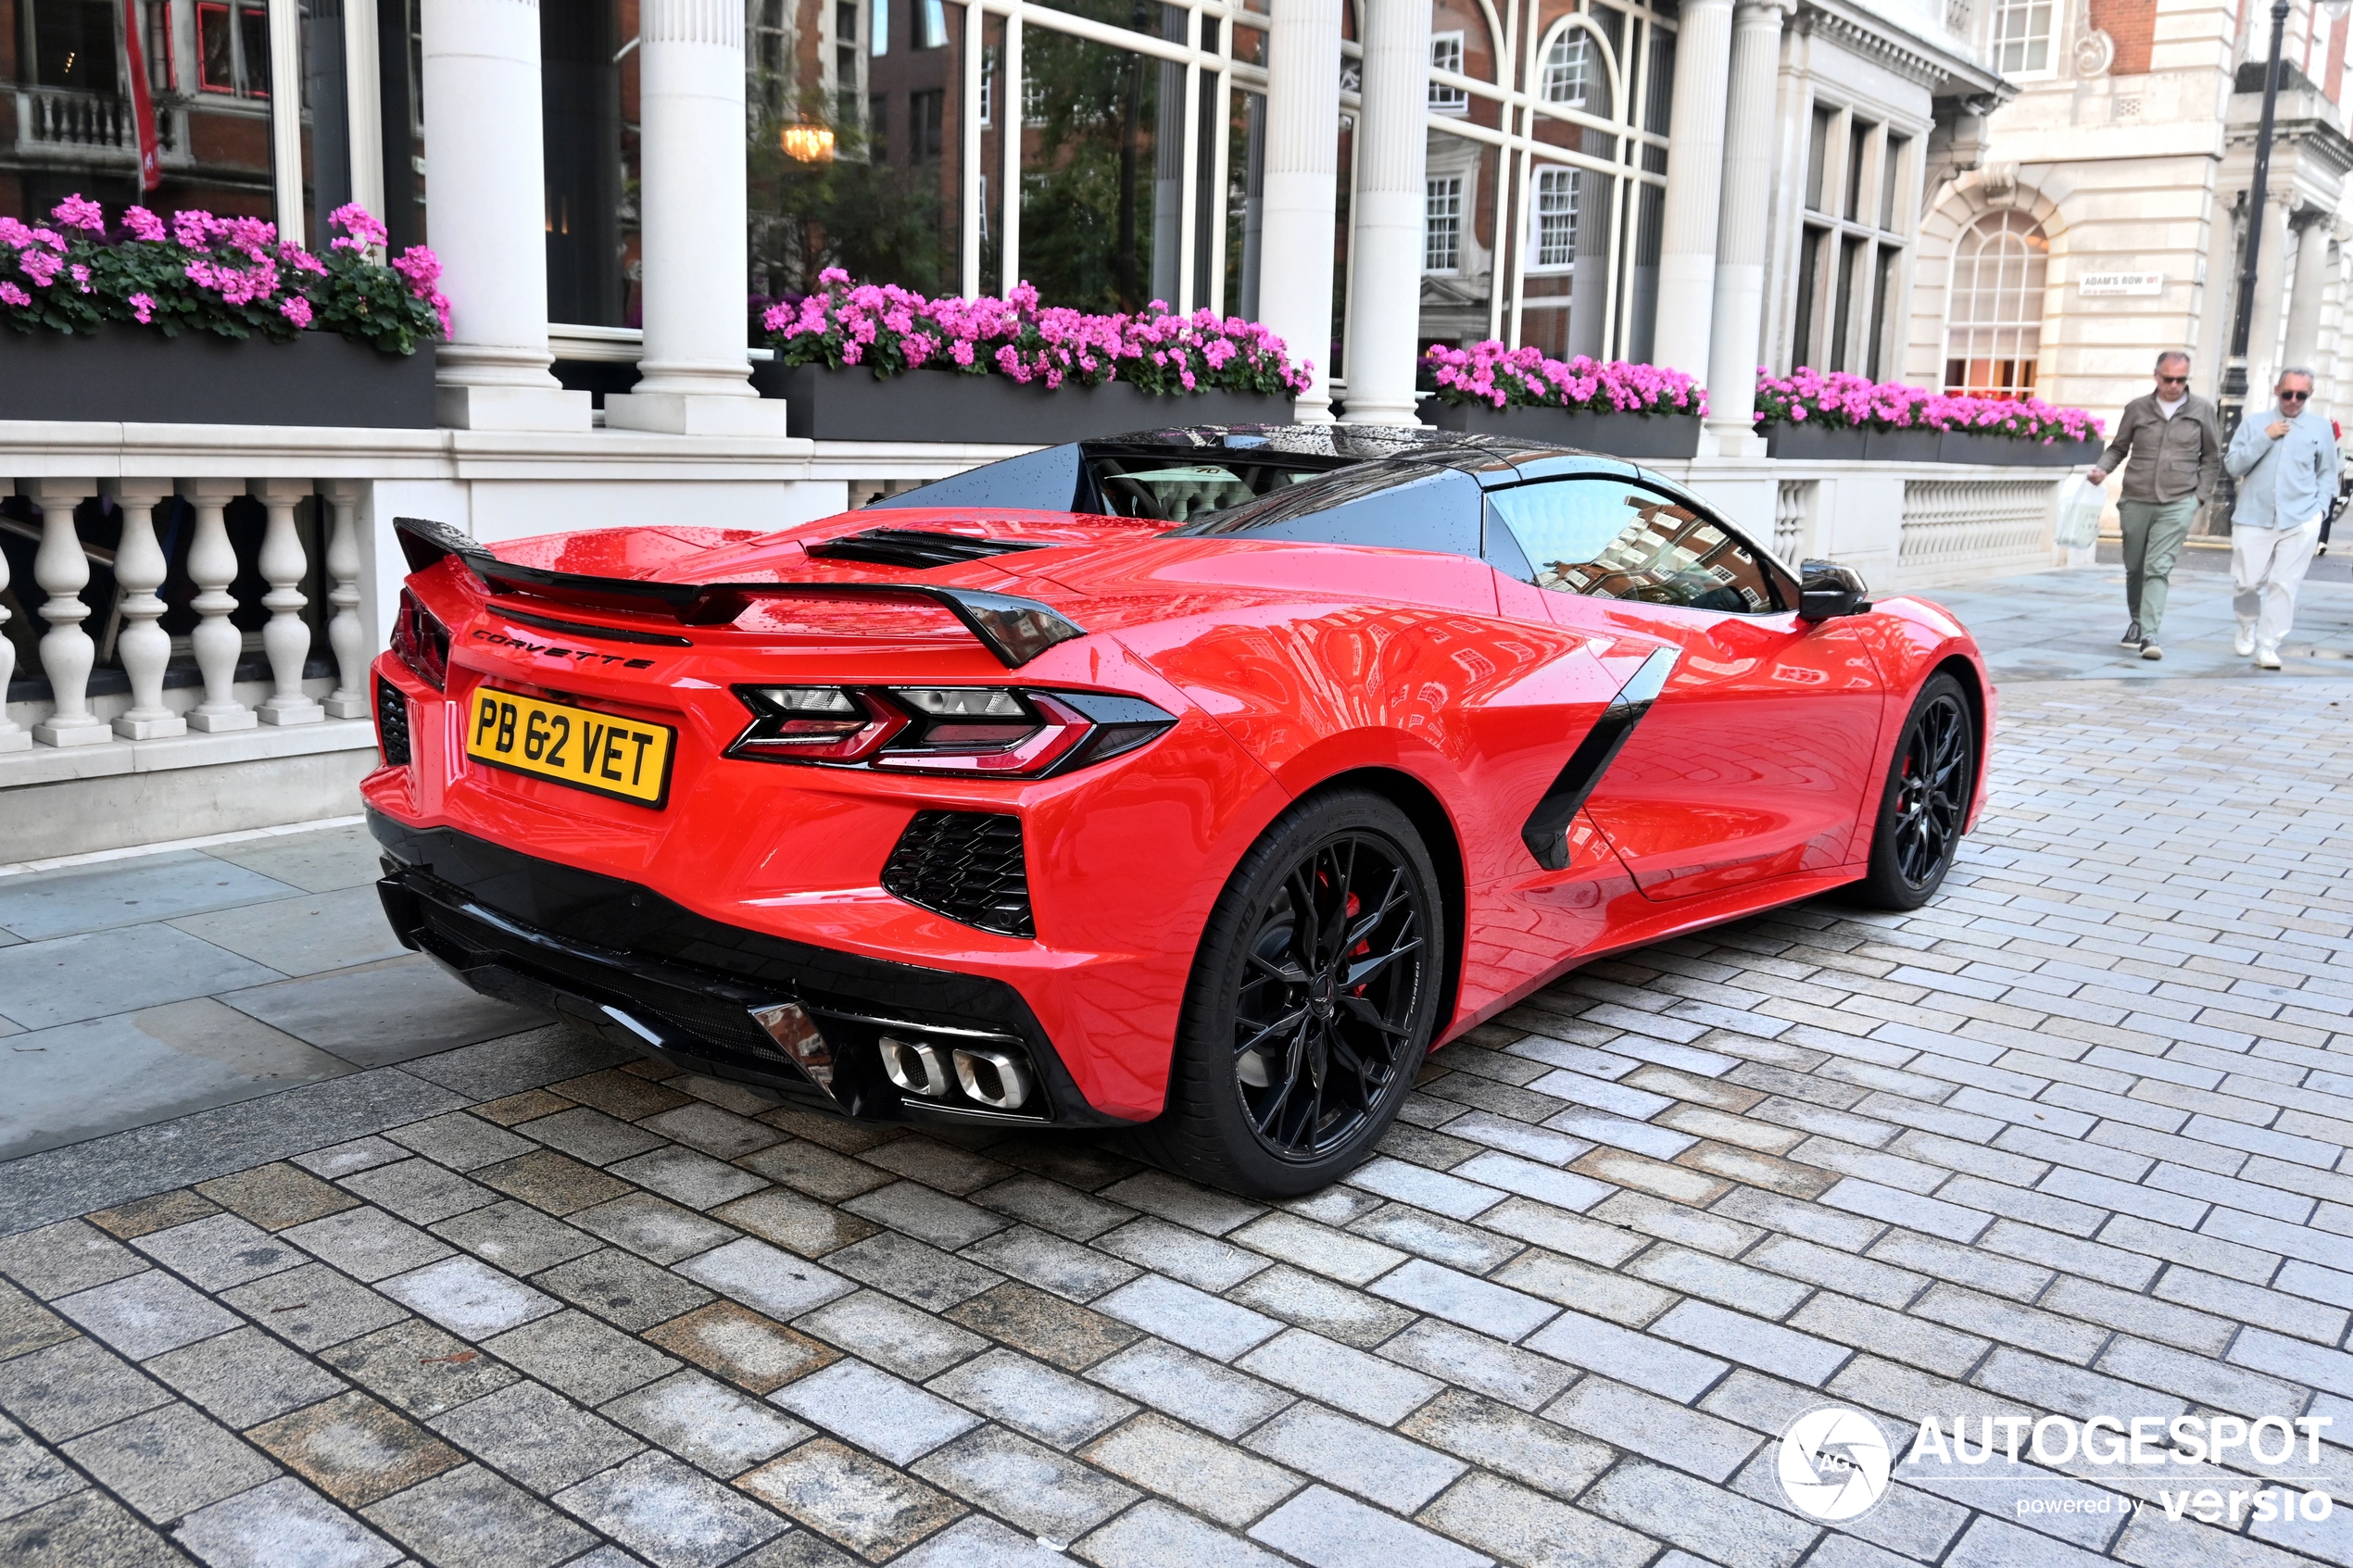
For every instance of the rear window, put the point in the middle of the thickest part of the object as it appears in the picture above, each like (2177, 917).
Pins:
(1162, 485)
(1399, 506)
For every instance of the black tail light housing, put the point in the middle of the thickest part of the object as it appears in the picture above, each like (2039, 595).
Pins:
(392, 724)
(421, 641)
(988, 732)
(967, 865)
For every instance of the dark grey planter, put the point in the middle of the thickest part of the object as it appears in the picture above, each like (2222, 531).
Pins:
(136, 375)
(2009, 451)
(1915, 445)
(1816, 443)
(1636, 436)
(850, 405)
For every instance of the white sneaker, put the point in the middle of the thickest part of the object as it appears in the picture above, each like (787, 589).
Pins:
(2267, 659)
(2150, 650)
(2244, 644)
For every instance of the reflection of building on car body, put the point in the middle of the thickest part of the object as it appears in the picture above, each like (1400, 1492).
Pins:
(1196, 781)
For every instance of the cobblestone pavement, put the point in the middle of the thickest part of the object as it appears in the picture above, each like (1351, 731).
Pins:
(2066, 1142)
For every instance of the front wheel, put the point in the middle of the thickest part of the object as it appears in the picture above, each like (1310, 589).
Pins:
(1313, 998)
(1929, 781)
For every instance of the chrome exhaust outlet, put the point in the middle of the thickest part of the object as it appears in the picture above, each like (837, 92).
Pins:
(914, 1066)
(992, 1078)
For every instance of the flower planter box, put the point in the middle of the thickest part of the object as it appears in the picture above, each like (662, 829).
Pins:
(2009, 451)
(1817, 442)
(133, 374)
(1915, 445)
(850, 405)
(1618, 436)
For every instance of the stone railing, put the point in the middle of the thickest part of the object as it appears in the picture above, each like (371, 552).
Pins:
(194, 547)
(56, 118)
(1958, 528)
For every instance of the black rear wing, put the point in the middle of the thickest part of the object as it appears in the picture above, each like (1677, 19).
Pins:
(1015, 630)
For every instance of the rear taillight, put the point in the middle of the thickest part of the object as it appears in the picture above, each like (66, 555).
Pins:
(421, 641)
(990, 731)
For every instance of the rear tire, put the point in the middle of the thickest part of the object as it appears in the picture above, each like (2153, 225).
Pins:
(1929, 783)
(1313, 1000)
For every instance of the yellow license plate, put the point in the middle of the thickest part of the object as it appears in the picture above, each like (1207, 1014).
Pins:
(623, 758)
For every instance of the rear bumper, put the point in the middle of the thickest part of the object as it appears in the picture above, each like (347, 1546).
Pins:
(795, 1020)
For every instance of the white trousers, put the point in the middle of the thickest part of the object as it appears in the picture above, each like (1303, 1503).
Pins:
(2267, 567)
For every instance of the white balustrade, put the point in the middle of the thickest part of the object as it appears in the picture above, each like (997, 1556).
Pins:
(66, 653)
(12, 734)
(213, 566)
(146, 648)
(286, 638)
(345, 634)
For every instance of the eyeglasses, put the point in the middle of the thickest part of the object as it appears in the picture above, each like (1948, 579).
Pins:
(2174, 380)
(2293, 396)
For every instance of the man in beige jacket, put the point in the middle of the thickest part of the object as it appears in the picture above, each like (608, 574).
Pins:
(2174, 440)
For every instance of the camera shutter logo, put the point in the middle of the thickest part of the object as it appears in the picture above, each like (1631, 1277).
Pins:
(1833, 1462)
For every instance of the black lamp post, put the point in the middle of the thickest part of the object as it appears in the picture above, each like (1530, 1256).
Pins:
(2233, 395)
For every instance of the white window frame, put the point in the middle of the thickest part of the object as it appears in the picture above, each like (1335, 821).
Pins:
(1552, 195)
(1571, 48)
(2003, 40)
(1446, 55)
(1443, 225)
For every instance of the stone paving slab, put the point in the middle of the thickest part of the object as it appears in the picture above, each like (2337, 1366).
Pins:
(2072, 1141)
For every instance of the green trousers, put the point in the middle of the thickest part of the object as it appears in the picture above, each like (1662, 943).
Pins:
(2153, 534)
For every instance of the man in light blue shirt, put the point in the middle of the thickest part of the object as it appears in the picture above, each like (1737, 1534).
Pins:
(2286, 471)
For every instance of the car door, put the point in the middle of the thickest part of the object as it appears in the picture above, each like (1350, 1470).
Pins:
(1752, 763)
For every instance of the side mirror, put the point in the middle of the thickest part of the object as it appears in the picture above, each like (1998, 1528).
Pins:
(1826, 590)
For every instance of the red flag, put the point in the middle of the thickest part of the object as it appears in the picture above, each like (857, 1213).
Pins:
(142, 103)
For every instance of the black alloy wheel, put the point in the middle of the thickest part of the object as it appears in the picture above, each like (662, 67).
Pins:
(1929, 783)
(1313, 1000)
(1327, 1002)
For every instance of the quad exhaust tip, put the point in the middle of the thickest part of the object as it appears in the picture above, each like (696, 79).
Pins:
(995, 1079)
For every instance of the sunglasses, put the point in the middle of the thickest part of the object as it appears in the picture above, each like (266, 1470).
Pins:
(2174, 380)
(2293, 396)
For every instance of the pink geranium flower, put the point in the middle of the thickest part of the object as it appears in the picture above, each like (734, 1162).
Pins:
(79, 211)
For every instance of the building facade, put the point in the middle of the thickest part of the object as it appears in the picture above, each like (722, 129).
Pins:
(617, 187)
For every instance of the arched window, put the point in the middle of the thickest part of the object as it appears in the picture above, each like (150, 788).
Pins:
(1568, 69)
(1993, 317)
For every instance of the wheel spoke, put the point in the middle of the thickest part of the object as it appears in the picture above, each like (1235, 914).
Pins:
(1285, 1021)
(1359, 974)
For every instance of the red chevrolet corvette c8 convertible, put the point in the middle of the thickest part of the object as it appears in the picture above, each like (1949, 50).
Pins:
(1196, 781)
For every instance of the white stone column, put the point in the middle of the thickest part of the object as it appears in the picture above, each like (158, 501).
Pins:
(213, 566)
(285, 637)
(62, 570)
(13, 737)
(694, 378)
(1694, 186)
(485, 205)
(1737, 334)
(1385, 296)
(139, 567)
(345, 634)
(2304, 303)
(1303, 187)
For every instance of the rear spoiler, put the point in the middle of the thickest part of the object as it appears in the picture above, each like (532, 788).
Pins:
(1015, 630)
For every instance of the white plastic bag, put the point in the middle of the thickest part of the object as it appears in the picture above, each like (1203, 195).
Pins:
(2081, 504)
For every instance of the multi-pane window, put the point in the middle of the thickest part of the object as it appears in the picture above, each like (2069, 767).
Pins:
(1556, 211)
(1853, 238)
(768, 50)
(232, 49)
(1994, 316)
(1446, 55)
(1568, 69)
(2023, 36)
(1443, 225)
